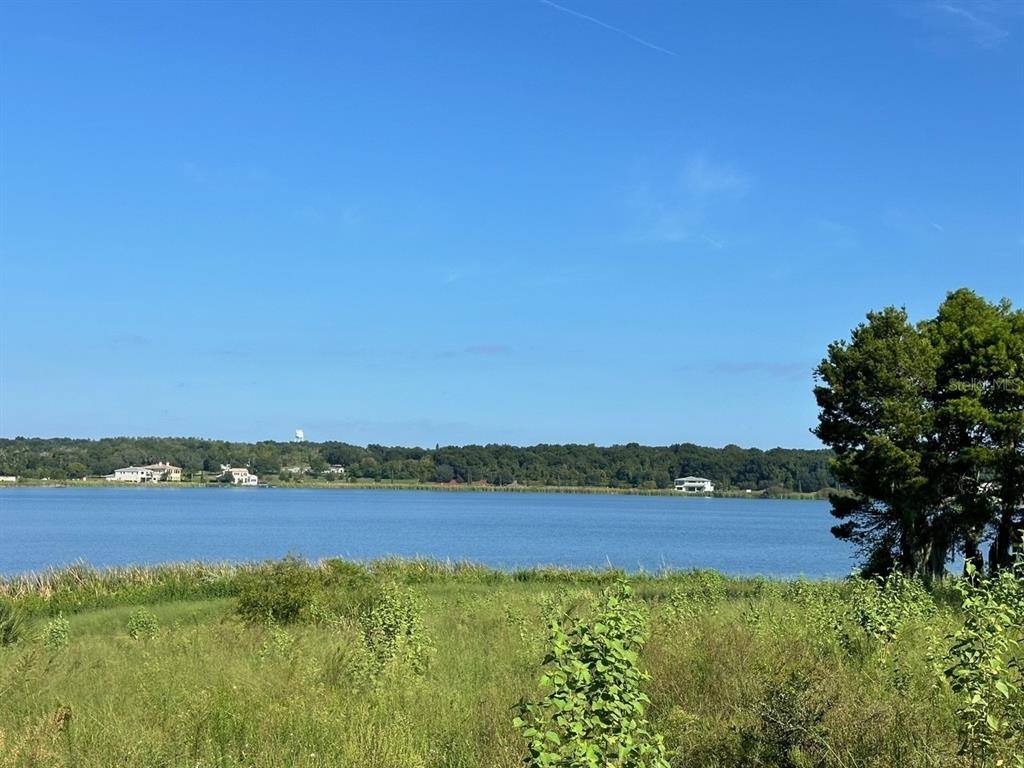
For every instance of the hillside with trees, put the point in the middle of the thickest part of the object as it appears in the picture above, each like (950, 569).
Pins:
(618, 466)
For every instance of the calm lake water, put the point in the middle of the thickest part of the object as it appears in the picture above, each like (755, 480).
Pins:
(42, 527)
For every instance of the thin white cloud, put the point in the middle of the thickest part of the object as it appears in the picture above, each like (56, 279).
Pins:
(600, 23)
(703, 177)
(488, 350)
(131, 340)
(331, 212)
(981, 23)
(984, 30)
(196, 173)
(679, 211)
(911, 221)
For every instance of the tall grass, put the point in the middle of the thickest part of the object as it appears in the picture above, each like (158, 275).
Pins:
(82, 587)
(429, 663)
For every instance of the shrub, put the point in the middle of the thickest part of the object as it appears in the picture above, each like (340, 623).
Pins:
(280, 644)
(349, 663)
(594, 711)
(12, 623)
(392, 627)
(789, 731)
(347, 590)
(142, 624)
(345, 571)
(57, 633)
(986, 668)
(277, 593)
(700, 592)
(882, 606)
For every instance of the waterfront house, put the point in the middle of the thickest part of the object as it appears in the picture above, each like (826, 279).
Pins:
(150, 473)
(241, 476)
(133, 475)
(166, 472)
(694, 485)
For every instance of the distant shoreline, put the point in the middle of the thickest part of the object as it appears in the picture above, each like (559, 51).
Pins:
(444, 487)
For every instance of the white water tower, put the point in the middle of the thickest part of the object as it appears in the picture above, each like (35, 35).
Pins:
(300, 436)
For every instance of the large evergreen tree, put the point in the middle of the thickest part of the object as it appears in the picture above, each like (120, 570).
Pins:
(927, 423)
(979, 406)
(874, 414)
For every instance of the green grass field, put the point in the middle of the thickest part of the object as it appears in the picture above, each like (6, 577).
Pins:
(410, 664)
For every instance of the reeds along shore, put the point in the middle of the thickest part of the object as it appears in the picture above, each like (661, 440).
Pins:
(426, 663)
(772, 493)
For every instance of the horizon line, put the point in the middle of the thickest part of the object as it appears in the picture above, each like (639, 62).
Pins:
(438, 446)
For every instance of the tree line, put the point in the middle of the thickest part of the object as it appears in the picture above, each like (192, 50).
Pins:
(618, 466)
(927, 423)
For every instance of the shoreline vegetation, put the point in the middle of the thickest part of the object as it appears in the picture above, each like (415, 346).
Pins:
(628, 466)
(774, 494)
(293, 663)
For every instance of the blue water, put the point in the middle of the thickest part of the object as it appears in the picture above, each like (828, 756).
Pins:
(42, 527)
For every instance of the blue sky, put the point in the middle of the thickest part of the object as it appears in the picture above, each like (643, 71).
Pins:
(419, 223)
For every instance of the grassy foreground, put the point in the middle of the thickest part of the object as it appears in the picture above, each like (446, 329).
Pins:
(414, 663)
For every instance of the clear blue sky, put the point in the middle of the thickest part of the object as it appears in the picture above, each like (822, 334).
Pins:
(419, 223)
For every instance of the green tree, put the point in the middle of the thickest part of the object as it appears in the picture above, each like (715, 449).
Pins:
(317, 463)
(77, 470)
(927, 425)
(873, 395)
(979, 417)
(444, 473)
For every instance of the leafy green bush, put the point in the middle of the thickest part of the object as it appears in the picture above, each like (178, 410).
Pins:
(789, 732)
(142, 624)
(593, 713)
(348, 664)
(280, 592)
(392, 627)
(57, 633)
(883, 606)
(986, 668)
(12, 623)
(280, 644)
(347, 588)
(699, 592)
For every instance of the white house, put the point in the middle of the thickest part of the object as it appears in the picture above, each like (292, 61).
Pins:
(694, 485)
(151, 473)
(335, 469)
(133, 475)
(242, 476)
(165, 471)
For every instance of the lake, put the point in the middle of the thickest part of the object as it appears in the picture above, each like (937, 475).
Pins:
(43, 527)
